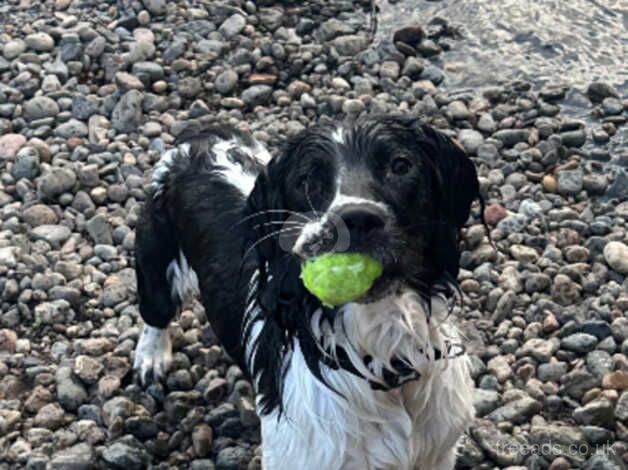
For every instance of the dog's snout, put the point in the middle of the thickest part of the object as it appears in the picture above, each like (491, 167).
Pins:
(362, 220)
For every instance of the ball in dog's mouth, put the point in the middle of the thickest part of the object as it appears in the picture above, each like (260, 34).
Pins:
(339, 278)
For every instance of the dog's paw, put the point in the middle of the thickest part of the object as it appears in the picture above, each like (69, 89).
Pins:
(153, 355)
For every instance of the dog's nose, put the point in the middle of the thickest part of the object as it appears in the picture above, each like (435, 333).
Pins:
(361, 220)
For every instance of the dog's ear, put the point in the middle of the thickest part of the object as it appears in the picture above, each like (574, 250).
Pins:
(457, 179)
(455, 188)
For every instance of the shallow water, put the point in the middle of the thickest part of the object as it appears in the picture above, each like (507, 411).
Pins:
(571, 42)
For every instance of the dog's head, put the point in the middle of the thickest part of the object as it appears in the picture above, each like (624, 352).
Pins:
(388, 187)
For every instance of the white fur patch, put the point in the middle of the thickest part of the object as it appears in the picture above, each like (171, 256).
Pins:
(164, 165)
(413, 427)
(182, 278)
(232, 171)
(153, 354)
(338, 135)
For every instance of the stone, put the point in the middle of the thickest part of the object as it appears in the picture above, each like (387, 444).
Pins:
(226, 81)
(579, 342)
(99, 230)
(494, 213)
(10, 144)
(55, 235)
(524, 254)
(156, 7)
(126, 81)
(40, 107)
(575, 138)
(78, 457)
(616, 256)
(353, 106)
(256, 95)
(559, 441)
(70, 393)
(612, 106)
(621, 408)
(39, 214)
(127, 115)
(510, 137)
(570, 182)
(202, 438)
(71, 128)
(126, 455)
(503, 448)
(13, 48)
(40, 42)
(350, 45)
(550, 184)
(597, 413)
(470, 140)
(516, 411)
(598, 91)
(232, 26)
(26, 164)
(617, 380)
(56, 182)
(87, 369)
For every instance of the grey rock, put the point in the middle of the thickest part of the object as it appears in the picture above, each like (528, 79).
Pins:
(616, 256)
(96, 47)
(84, 106)
(503, 448)
(40, 42)
(56, 311)
(13, 48)
(40, 107)
(577, 382)
(72, 128)
(485, 401)
(575, 138)
(599, 363)
(78, 457)
(256, 95)
(127, 114)
(517, 411)
(189, 87)
(55, 235)
(612, 106)
(156, 7)
(350, 45)
(99, 230)
(513, 223)
(470, 140)
(433, 74)
(621, 408)
(70, 392)
(551, 371)
(570, 181)
(232, 26)
(333, 28)
(56, 182)
(126, 454)
(510, 137)
(26, 164)
(559, 441)
(579, 342)
(232, 458)
(413, 68)
(598, 412)
(597, 91)
(226, 81)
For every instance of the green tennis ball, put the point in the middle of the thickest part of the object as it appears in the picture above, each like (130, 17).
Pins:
(338, 278)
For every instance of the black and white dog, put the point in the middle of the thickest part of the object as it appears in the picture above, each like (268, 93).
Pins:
(376, 384)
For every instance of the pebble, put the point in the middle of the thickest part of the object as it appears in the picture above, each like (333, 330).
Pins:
(616, 255)
(10, 144)
(40, 42)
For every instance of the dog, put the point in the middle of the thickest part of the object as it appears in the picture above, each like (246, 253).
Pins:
(379, 383)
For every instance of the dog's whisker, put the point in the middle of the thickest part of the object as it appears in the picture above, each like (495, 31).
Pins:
(295, 223)
(272, 211)
(266, 237)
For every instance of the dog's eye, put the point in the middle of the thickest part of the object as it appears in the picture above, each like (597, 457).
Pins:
(400, 166)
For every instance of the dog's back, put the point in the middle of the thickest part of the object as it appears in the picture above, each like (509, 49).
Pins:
(190, 237)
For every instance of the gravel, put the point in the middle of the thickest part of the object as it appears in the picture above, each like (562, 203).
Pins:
(92, 94)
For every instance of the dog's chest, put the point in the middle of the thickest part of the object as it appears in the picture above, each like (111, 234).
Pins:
(368, 429)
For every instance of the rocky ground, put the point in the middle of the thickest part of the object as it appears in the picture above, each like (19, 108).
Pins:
(91, 95)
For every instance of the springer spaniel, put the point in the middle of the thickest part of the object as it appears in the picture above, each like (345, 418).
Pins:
(380, 383)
